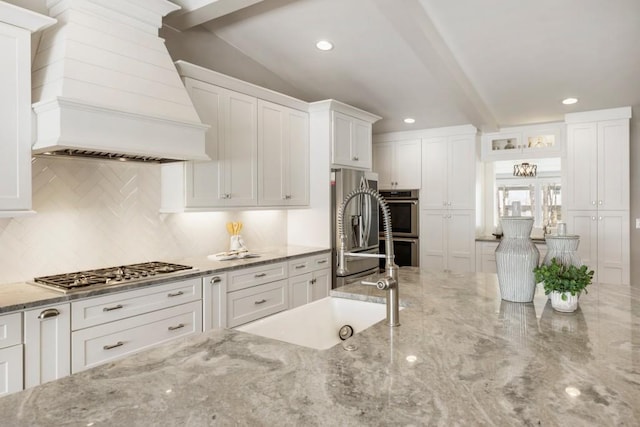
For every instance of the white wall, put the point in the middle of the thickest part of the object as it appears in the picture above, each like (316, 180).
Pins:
(94, 213)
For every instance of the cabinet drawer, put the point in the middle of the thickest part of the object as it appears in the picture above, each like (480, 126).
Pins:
(307, 264)
(118, 306)
(10, 329)
(248, 277)
(94, 346)
(254, 303)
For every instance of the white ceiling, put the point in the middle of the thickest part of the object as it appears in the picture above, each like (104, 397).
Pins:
(490, 63)
(486, 62)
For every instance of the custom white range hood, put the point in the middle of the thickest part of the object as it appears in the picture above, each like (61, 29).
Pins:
(104, 85)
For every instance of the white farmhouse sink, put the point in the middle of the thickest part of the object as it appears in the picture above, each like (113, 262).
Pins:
(316, 324)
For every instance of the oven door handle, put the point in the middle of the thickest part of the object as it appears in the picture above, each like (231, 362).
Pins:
(397, 202)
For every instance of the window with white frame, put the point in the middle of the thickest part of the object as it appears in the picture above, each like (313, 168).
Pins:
(540, 197)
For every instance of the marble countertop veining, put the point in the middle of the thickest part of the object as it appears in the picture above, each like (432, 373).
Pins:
(461, 357)
(24, 295)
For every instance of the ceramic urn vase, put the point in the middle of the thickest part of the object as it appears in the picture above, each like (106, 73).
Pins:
(516, 257)
(564, 249)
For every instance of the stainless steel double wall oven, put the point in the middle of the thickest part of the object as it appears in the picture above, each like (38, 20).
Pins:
(405, 220)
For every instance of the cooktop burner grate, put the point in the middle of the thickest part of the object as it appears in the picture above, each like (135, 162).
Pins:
(109, 276)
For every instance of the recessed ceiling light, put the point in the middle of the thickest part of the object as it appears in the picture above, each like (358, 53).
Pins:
(324, 45)
(409, 120)
(569, 101)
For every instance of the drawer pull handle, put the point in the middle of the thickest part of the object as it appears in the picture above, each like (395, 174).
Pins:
(300, 266)
(175, 294)
(259, 275)
(115, 307)
(50, 312)
(215, 279)
(178, 326)
(262, 301)
(322, 261)
(109, 347)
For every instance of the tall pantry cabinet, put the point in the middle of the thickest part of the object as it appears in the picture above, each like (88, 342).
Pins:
(448, 199)
(596, 190)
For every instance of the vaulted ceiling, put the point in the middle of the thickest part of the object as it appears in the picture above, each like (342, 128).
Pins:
(492, 63)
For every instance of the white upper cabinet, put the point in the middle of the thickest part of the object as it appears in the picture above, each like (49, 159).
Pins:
(16, 26)
(229, 178)
(351, 143)
(398, 164)
(524, 142)
(349, 131)
(258, 148)
(448, 172)
(597, 165)
(283, 155)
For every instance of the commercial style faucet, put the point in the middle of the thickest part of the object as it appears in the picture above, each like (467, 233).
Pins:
(390, 281)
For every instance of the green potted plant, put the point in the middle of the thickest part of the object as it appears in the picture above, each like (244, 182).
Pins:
(563, 283)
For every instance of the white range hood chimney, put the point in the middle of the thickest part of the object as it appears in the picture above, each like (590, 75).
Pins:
(104, 85)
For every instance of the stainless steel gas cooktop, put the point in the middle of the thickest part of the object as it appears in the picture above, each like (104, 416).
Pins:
(103, 277)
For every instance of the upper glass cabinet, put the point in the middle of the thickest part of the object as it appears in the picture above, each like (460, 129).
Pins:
(524, 142)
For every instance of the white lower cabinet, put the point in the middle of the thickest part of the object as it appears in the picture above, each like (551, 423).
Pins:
(604, 243)
(309, 279)
(115, 325)
(214, 301)
(11, 364)
(256, 292)
(47, 344)
(447, 240)
(256, 302)
(103, 343)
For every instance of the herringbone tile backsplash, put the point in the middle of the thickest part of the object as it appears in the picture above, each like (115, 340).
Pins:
(93, 213)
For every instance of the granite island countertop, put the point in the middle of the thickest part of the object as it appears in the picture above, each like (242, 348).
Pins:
(461, 357)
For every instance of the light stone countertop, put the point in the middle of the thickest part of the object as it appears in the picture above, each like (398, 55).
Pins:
(23, 295)
(478, 361)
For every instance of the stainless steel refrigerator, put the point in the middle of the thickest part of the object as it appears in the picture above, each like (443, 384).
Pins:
(360, 223)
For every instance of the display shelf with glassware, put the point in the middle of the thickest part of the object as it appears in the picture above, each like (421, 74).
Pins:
(535, 141)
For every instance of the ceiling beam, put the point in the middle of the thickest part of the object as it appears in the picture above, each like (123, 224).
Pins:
(413, 24)
(196, 12)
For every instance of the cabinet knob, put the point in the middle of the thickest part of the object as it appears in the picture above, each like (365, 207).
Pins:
(593, 218)
(355, 158)
(599, 218)
(50, 312)
(593, 203)
(600, 202)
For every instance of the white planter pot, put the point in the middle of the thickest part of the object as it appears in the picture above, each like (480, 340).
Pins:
(566, 306)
